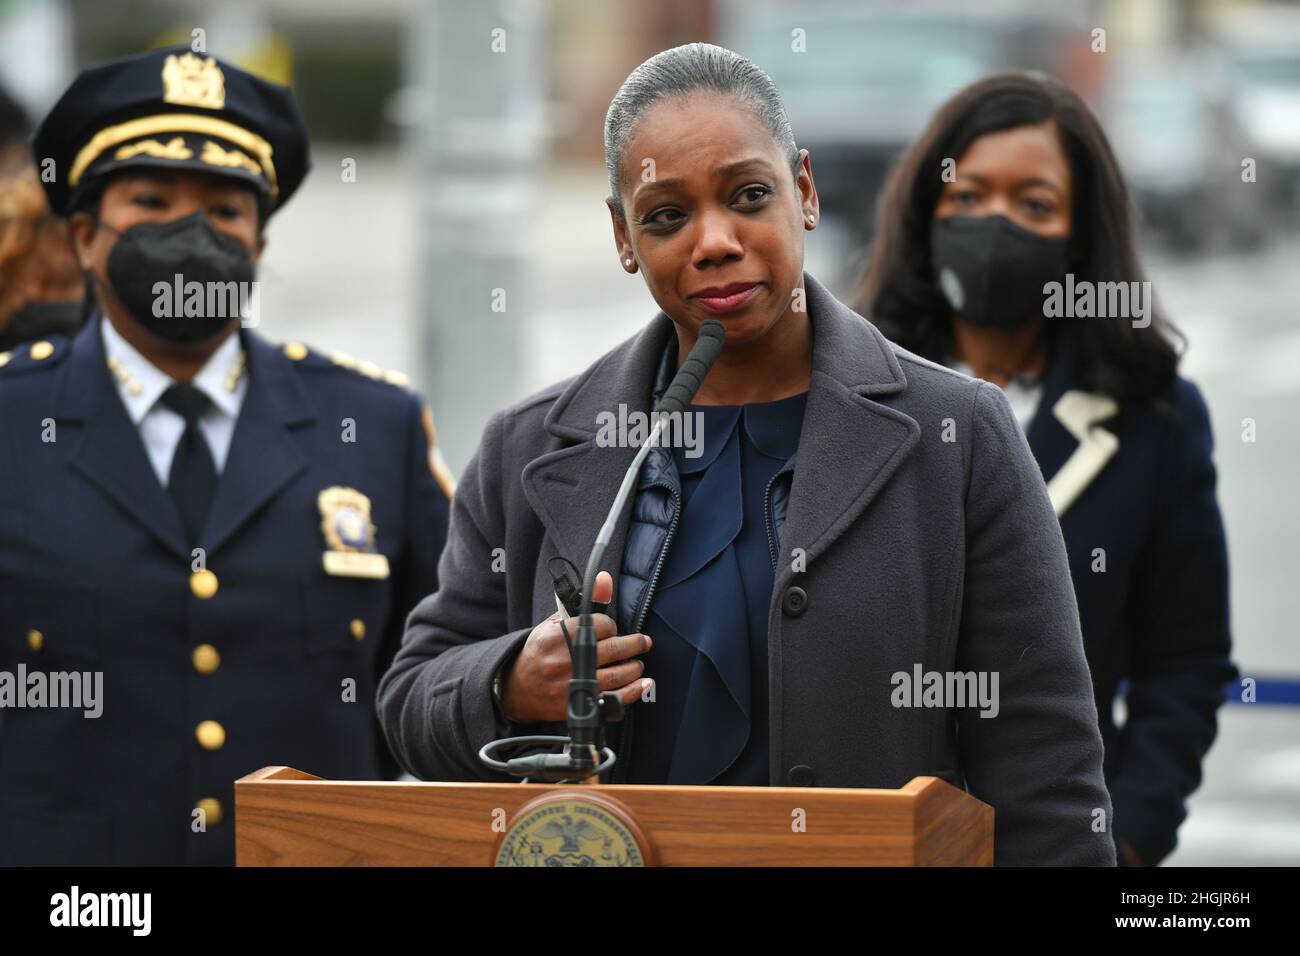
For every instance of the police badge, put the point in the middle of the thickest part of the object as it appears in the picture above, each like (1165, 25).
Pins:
(345, 521)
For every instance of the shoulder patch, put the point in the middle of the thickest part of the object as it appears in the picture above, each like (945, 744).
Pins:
(305, 357)
(33, 356)
(441, 473)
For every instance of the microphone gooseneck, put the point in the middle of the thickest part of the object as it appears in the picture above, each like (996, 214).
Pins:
(589, 709)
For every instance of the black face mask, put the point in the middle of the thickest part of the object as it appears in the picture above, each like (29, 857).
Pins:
(991, 271)
(150, 253)
(39, 320)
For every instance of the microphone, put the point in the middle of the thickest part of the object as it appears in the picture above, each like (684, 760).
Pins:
(589, 709)
(694, 369)
(585, 723)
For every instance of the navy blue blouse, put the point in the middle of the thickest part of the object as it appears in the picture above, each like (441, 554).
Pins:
(708, 615)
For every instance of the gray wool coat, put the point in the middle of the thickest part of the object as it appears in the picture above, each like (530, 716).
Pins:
(928, 545)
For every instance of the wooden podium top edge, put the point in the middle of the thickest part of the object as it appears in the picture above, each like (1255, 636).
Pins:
(288, 775)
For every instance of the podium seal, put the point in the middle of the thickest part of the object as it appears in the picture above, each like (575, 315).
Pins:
(572, 828)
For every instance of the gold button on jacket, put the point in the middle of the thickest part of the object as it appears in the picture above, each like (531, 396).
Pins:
(204, 584)
(206, 659)
(211, 735)
(212, 810)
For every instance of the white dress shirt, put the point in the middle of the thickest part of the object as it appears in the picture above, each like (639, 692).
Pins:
(160, 427)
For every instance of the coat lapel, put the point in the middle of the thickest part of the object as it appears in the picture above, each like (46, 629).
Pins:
(1065, 435)
(1080, 412)
(850, 445)
(572, 488)
(264, 455)
(847, 434)
(110, 453)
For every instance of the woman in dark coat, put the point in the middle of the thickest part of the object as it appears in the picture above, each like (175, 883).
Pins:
(859, 534)
(1006, 251)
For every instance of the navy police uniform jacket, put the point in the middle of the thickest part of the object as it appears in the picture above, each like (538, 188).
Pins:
(215, 665)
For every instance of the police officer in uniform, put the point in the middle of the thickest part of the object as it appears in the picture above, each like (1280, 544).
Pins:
(229, 532)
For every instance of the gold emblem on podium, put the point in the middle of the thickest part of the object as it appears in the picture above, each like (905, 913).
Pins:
(573, 828)
(345, 521)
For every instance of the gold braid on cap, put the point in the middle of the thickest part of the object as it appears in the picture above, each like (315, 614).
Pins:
(162, 123)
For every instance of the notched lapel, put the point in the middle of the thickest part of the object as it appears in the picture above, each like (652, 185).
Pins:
(264, 454)
(263, 459)
(850, 445)
(113, 457)
(1081, 414)
(853, 446)
(571, 490)
(110, 453)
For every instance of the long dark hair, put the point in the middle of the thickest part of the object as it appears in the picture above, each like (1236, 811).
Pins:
(898, 290)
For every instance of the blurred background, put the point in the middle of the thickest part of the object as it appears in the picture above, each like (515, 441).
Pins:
(454, 226)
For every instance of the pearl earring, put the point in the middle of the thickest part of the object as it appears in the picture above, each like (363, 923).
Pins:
(811, 217)
(627, 262)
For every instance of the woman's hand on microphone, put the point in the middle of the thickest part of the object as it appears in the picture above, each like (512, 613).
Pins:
(536, 686)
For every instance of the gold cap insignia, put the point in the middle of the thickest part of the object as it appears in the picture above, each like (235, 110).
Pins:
(191, 80)
(350, 534)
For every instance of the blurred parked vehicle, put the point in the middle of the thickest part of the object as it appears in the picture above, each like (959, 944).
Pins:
(1266, 85)
(1261, 47)
(1181, 143)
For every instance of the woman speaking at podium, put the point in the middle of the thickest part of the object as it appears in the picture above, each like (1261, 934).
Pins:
(853, 576)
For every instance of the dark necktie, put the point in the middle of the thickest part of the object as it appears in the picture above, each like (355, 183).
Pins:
(193, 476)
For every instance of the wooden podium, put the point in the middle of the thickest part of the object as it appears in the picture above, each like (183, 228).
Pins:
(284, 817)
